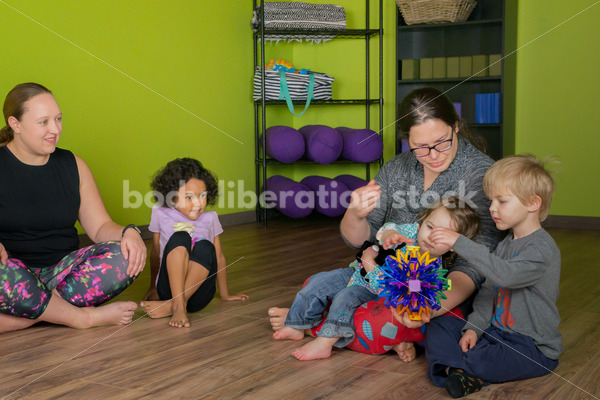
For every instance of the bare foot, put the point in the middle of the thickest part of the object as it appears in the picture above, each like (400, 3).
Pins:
(278, 316)
(289, 333)
(316, 349)
(120, 312)
(179, 319)
(406, 351)
(158, 309)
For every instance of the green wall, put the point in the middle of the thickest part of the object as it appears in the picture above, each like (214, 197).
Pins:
(143, 82)
(556, 105)
(140, 83)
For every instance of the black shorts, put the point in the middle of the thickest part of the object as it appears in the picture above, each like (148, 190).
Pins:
(202, 252)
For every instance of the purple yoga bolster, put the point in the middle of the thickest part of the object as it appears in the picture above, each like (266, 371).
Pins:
(352, 182)
(291, 198)
(329, 195)
(323, 143)
(284, 143)
(360, 145)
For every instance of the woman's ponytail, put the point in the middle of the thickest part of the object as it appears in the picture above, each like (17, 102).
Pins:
(6, 135)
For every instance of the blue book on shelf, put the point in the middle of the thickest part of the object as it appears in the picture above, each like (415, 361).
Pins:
(487, 108)
(495, 115)
(480, 108)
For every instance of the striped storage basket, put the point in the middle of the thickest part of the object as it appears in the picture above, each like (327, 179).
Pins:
(297, 85)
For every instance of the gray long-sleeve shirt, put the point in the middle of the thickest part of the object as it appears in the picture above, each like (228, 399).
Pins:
(403, 198)
(521, 288)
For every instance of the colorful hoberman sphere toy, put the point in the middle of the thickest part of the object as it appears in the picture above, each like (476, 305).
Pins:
(413, 282)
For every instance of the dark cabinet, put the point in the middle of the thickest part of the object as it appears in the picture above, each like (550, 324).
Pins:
(481, 35)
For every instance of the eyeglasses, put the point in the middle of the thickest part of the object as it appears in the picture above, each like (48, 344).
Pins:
(425, 150)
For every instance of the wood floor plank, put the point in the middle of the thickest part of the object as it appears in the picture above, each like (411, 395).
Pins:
(286, 378)
(584, 385)
(27, 368)
(188, 350)
(229, 351)
(222, 371)
(73, 389)
(351, 382)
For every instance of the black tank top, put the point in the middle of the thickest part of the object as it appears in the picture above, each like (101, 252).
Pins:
(39, 205)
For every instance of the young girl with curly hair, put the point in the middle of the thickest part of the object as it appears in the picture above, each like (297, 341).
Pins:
(186, 261)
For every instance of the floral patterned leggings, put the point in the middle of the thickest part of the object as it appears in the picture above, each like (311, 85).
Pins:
(86, 277)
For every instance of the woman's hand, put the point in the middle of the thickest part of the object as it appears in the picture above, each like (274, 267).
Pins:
(390, 238)
(364, 200)
(3, 254)
(134, 250)
(468, 340)
(407, 322)
(234, 297)
(354, 225)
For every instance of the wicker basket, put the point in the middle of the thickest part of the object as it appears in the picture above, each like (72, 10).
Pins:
(435, 11)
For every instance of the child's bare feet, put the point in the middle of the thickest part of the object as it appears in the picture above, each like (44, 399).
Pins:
(289, 333)
(179, 319)
(278, 316)
(158, 309)
(406, 351)
(315, 349)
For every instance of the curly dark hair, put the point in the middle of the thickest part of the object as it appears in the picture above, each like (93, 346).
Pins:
(169, 178)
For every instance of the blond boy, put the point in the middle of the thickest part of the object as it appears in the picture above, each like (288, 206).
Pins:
(512, 332)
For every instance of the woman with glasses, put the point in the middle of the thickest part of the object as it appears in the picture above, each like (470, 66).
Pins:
(444, 160)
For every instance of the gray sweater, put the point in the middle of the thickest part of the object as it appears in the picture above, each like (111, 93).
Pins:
(521, 288)
(403, 198)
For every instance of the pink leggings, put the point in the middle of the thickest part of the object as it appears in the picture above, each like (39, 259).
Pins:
(86, 277)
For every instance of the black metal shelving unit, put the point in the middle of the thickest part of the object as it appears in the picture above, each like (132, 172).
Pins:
(482, 33)
(260, 106)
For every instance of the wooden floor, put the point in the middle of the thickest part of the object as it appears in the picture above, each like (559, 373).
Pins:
(228, 353)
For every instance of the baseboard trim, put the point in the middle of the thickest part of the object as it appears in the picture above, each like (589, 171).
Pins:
(572, 222)
(239, 218)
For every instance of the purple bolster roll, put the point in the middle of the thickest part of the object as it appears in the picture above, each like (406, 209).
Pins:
(360, 145)
(352, 182)
(284, 143)
(323, 143)
(331, 197)
(291, 198)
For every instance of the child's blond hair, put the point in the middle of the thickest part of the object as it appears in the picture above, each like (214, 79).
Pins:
(523, 176)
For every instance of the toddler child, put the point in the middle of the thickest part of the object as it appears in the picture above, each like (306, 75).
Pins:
(186, 257)
(512, 332)
(348, 288)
